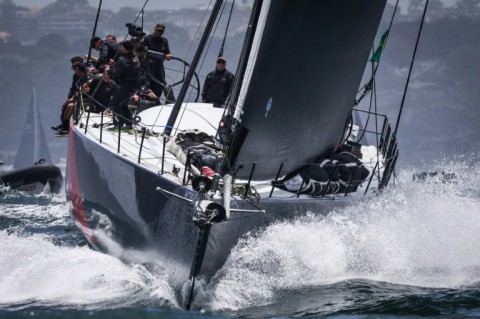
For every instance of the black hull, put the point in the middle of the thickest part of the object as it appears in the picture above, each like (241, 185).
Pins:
(35, 179)
(104, 185)
(134, 212)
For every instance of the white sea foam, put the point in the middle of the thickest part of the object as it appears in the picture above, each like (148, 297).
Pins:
(35, 271)
(420, 234)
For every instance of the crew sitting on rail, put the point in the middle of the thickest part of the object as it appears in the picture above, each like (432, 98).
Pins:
(99, 90)
(64, 122)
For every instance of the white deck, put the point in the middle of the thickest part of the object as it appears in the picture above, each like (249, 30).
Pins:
(200, 116)
(192, 115)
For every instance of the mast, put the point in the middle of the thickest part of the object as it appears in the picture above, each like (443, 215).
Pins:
(36, 128)
(193, 66)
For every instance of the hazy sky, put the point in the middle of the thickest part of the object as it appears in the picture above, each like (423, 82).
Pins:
(152, 4)
(115, 4)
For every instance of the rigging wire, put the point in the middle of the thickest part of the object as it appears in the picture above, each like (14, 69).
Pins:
(196, 59)
(94, 31)
(368, 86)
(207, 48)
(410, 70)
(141, 12)
(371, 85)
(223, 41)
(377, 141)
(76, 109)
(189, 50)
(211, 39)
(226, 29)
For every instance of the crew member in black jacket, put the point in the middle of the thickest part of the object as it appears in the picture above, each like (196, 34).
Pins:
(63, 126)
(217, 84)
(126, 74)
(109, 50)
(158, 43)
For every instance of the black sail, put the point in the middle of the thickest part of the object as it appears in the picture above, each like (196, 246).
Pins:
(305, 72)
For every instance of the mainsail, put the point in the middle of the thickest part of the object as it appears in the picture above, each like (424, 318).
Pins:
(33, 145)
(304, 70)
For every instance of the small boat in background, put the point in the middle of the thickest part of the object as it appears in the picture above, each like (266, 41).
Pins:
(32, 168)
(436, 177)
(38, 178)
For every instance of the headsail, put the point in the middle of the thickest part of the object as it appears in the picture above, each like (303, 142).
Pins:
(33, 145)
(306, 64)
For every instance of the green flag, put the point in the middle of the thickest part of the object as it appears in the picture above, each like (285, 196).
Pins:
(378, 52)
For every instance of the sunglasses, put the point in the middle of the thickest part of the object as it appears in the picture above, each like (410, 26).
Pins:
(159, 30)
(220, 62)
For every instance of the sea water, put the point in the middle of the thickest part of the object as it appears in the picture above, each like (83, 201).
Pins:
(413, 251)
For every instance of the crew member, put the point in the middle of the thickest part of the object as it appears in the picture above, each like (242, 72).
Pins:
(126, 74)
(217, 84)
(158, 43)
